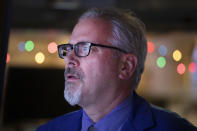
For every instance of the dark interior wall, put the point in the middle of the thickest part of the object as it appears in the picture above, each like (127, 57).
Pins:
(157, 14)
(35, 93)
(5, 12)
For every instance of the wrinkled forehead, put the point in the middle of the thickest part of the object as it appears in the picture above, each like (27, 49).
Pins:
(95, 30)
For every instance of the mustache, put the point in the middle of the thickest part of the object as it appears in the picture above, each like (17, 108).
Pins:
(74, 71)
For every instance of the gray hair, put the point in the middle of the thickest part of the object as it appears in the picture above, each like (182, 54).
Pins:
(128, 34)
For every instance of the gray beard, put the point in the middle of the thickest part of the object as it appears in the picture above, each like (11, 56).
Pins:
(73, 97)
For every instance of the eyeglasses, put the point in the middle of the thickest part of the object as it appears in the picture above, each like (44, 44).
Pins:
(81, 49)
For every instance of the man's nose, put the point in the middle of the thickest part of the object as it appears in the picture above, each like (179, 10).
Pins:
(71, 59)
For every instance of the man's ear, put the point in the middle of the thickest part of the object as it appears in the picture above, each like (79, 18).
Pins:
(128, 65)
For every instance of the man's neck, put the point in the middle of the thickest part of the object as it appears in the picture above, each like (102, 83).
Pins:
(98, 111)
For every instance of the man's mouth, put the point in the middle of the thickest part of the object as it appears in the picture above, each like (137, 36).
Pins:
(71, 74)
(71, 77)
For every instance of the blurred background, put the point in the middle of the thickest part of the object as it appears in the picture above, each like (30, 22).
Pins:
(34, 80)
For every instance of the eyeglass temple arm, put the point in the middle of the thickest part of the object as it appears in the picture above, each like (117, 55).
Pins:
(105, 46)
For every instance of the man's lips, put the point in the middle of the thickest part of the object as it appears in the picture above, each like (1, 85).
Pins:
(71, 77)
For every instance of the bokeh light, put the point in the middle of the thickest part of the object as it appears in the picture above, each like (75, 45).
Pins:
(161, 62)
(192, 67)
(163, 50)
(29, 45)
(194, 54)
(39, 58)
(8, 58)
(181, 68)
(52, 47)
(21, 46)
(177, 55)
(150, 47)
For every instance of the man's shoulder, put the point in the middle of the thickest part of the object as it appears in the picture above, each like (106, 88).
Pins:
(155, 118)
(169, 120)
(62, 122)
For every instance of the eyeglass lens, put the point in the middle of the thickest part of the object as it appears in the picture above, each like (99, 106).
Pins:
(80, 49)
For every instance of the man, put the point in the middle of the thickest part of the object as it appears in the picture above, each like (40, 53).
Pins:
(104, 63)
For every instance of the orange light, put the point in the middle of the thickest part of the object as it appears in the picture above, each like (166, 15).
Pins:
(181, 68)
(192, 67)
(150, 47)
(52, 47)
(8, 58)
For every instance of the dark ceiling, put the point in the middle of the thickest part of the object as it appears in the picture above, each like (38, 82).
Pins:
(159, 15)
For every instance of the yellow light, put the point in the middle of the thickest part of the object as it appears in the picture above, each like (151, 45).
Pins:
(177, 55)
(39, 58)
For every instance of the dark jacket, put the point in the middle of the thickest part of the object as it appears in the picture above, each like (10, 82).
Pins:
(144, 117)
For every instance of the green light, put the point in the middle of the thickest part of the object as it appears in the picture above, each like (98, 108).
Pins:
(161, 62)
(29, 46)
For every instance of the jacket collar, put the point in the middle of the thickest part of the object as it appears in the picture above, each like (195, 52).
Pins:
(71, 121)
(141, 116)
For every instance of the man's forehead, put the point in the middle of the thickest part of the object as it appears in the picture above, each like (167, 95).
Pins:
(93, 30)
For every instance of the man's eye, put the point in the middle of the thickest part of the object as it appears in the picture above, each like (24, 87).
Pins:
(68, 49)
(85, 48)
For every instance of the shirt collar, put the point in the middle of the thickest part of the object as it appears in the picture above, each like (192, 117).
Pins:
(86, 122)
(110, 121)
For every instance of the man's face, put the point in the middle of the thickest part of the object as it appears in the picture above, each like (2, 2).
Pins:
(91, 80)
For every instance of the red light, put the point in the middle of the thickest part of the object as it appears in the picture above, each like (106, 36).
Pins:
(181, 68)
(8, 58)
(192, 67)
(150, 47)
(52, 47)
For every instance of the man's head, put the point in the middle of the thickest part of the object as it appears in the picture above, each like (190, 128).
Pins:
(128, 33)
(116, 46)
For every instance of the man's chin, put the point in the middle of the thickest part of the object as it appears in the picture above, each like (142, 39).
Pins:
(71, 100)
(72, 95)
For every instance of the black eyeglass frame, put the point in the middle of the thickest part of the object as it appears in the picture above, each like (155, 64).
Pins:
(90, 45)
